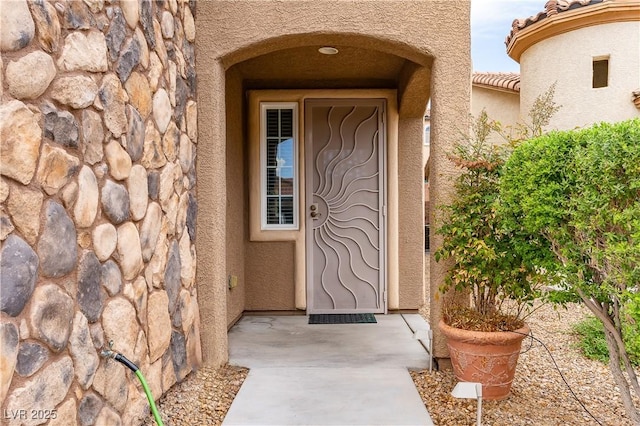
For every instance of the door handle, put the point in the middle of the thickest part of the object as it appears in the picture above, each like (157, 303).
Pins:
(314, 211)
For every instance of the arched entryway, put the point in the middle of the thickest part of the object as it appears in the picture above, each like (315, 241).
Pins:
(250, 52)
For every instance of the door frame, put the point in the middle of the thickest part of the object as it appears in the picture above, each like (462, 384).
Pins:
(383, 201)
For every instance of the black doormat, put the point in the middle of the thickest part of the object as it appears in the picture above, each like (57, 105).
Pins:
(342, 318)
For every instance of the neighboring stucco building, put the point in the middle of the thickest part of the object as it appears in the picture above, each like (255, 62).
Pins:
(590, 48)
(170, 165)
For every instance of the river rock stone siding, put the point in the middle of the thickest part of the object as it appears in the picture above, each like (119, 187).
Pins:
(98, 206)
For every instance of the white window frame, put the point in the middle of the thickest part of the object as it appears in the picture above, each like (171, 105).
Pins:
(264, 106)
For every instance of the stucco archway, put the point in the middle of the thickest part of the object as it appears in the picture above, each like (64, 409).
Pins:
(234, 57)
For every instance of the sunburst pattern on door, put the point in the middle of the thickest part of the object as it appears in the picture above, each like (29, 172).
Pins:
(344, 214)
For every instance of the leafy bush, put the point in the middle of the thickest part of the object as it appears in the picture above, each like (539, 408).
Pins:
(580, 191)
(593, 344)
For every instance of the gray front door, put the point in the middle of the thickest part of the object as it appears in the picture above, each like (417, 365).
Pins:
(345, 218)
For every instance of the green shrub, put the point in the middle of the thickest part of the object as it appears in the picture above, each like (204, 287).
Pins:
(593, 344)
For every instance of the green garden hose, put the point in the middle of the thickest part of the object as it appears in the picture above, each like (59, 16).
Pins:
(131, 366)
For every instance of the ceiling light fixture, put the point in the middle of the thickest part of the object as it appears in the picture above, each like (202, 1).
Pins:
(328, 50)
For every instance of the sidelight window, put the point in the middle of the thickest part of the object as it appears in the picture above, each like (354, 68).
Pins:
(279, 165)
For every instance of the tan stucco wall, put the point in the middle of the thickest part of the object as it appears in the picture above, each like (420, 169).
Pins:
(434, 35)
(500, 105)
(567, 58)
(270, 287)
(236, 177)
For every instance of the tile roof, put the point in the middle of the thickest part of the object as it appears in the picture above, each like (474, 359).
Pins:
(505, 81)
(551, 7)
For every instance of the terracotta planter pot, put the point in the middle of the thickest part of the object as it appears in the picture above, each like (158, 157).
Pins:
(489, 358)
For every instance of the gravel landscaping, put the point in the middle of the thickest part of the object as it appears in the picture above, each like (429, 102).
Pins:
(539, 395)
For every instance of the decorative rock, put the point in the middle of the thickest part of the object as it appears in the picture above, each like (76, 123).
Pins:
(194, 345)
(4, 190)
(129, 251)
(24, 207)
(167, 177)
(90, 296)
(105, 238)
(70, 194)
(101, 170)
(172, 276)
(161, 109)
(18, 273)
(139, 297)
(77, 91)
(77, 16)
(167, 24)
(57, 246)
(20, 137)
(56, 168)
(179, 355)
(137, 408)
(181, 216)
(186, 310)
(156, 269)
(138, 191)
(187, 261)
(31, 357)
(65, 414)
(111, 277)
(51, 316)
(8, 355)
(192, 121)
(90, 406)
(95, 5)
(159, 321)
(113, 98)
(150, 230)
(144, 49)
(153, 374)
(168, 373)
(44, 391)
(6, 227)
(154, 184)
(160, 48)
(30, 76)
(47, 24)
(120, 324)
(137, 87)
(116, 34)
(155, 71)
(60, 126)
(185, 155)
(16, 26)
(172, 83)
(146, 19)
(182, 92)
(108, 417)
(85, 358)
(110, 381)
(87, 204)
(84, 53)
(131, 12)
(171, 210)
(97, 335)
(189, 25)
(192, 214)
(129, 59)
(93, 135)
(84, 239)
(134, 142)
(171, 141)
(118, 160)
(115, 202)
(152, 156)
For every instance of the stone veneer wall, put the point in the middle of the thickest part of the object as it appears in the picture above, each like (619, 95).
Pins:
(97, 216)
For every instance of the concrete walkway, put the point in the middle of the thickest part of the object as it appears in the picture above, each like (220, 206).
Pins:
(344, 374)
